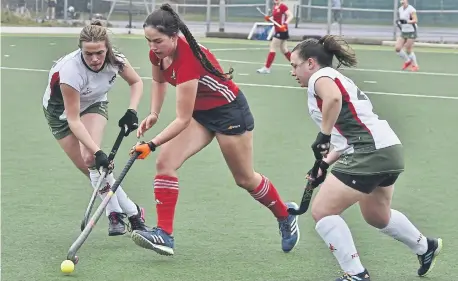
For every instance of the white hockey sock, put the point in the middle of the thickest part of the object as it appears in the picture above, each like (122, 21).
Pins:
(401, 229)
(337, 236)
(113, 205)
(126, 204)
(413, 57)
(403, 55)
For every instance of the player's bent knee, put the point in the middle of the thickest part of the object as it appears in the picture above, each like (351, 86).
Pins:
(376, 218)
(376, 214)
(89, 159)
(398, 49)
(245, 182)
(319, 211)
(165, 166)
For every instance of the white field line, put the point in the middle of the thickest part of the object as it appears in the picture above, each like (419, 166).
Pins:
(355, 69)
(271, 86)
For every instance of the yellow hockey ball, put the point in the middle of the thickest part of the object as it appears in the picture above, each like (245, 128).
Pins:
(67, 266)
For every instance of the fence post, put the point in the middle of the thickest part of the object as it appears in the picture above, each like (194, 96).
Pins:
(209, 14)
(328, 28)
(222, 14)
(309, 11)
(395, 16)
(65, 9)
(91, 10)
(153, 5)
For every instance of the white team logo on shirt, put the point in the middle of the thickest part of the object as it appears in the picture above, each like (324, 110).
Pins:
(86, 92)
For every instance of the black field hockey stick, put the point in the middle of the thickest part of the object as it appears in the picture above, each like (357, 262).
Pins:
(104, 173)
(400, 22)
(71, 255)
(308, 191)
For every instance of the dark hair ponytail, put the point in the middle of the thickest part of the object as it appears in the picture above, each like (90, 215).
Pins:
(340, 49)
(325, 49)
(96, 22)
(170, 23)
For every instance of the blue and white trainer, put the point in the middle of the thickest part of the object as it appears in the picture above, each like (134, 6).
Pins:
(289, 230)
(156, 239)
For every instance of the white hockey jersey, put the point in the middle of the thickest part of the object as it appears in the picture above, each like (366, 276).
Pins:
(71, 70)
(357, 124)
(406, 14)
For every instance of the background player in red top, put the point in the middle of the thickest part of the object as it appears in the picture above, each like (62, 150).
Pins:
(208, 105)
(283, 16)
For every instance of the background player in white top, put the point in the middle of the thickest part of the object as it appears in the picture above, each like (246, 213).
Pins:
(407, 22)
(75, 106)
(367, 154)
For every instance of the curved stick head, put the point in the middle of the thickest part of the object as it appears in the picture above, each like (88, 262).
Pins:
(83, 224)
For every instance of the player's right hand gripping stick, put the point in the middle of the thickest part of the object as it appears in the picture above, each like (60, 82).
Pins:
(321, 145)
(101, 160)
(144, 148)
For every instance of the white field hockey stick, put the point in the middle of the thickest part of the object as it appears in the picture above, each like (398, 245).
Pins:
(102, 177)
(71, 255)
(270, 18)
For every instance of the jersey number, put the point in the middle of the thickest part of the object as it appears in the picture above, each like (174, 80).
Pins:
(360, 95)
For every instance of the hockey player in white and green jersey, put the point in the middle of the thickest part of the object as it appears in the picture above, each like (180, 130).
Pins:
(75, 104)
(366, 154)
(408, 25)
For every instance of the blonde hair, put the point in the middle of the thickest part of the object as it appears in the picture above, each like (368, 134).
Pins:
(95, 32)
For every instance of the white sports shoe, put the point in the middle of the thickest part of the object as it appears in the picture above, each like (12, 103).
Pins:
(264, 70)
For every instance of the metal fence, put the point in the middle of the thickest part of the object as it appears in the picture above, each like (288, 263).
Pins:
(432, 13)
(438, 19)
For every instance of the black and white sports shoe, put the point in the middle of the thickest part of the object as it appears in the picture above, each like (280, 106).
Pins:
(137, 222)
(428, 259)
(116, 224)
(363, 276)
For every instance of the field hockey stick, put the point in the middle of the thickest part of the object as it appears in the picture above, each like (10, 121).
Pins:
(270, 19)
(308, 191)
(71, 255)
(398, 23)
(102, 177)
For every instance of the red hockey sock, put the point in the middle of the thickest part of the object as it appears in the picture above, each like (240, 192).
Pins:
(270, 59)
(267, 195)
(166, 195)
(288, 56)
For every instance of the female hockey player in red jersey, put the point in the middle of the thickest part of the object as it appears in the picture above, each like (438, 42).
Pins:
(208, 105)
(283, 16)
